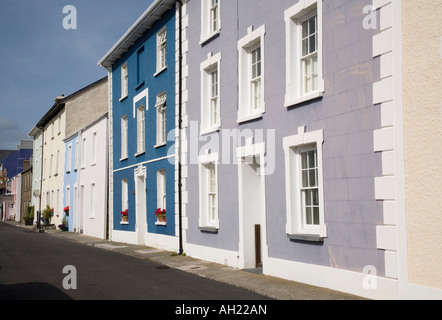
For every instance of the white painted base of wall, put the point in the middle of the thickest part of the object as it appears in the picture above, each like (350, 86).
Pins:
(332, 278)
(221, 256)
(153, 240)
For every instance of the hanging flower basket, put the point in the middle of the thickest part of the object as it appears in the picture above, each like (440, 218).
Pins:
(66, 211)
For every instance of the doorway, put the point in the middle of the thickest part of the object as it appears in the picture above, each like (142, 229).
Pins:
(252, 211)
(140, 204)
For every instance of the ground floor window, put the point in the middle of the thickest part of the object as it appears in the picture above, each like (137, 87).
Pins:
(304, 185)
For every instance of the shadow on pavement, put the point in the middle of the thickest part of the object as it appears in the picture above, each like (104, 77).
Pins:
(32, 291)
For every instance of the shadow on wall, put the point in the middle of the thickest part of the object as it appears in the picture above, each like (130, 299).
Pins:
(31, 291)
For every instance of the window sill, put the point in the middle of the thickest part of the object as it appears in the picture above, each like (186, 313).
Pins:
(311, 96)
(123, 98)
(161, 224)
(124, 159)
(210, 130)
(250, 117)
(207, 38)
(208, 229)
(124, 223)
(160, 71)
(139, 86)
(306, 237)
(160, 145)
(139, 153)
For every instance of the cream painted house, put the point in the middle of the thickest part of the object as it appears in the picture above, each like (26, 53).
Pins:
(422, 120)
(53, 127)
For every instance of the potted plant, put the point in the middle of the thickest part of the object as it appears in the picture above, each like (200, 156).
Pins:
(66, 211)
(125, 215)
(29, 217)
(47, 214)
(64, 224)
(161, 215)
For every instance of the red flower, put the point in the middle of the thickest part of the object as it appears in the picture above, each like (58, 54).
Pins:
(66, 209)
(160, 212)
(125, 212)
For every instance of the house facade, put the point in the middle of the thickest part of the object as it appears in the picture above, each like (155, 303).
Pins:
(418, 231)
(86, 165)
(293, 161)
(37, 136)
(142, 75)
(26, 188)
(52, 125)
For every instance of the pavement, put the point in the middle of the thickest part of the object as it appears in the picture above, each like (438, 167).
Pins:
(272, 287)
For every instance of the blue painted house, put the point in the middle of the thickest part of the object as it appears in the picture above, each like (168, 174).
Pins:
(141, 68)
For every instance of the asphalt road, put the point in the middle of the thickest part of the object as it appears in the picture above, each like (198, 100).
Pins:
(32, 265)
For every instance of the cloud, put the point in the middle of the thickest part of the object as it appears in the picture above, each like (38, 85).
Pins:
(10, 134)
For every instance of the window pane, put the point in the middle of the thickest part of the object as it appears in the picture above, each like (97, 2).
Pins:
(312, 178)
(304, 160)
(305, 29)
(312, 43)
(312, 159)
(315, 197)
(316, 216)
(308, 198)
(312, 25)
(308, 214)
(305, 179)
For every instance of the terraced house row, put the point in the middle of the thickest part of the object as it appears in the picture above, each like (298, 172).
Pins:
(301, 138)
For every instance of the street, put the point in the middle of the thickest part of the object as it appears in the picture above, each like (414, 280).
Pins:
(38, 266)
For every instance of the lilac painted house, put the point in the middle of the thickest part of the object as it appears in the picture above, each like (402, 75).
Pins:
(279, 119)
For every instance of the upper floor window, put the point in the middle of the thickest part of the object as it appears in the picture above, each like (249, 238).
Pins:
(251, 75)
(124, 138)
(141, 129)
(124, 81)
(161, 119)
(210, 19)
(304, 80)
(210, 98)
(161, 50)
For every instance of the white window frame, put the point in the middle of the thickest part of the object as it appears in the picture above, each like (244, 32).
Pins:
(161, 112)
(294, 16)
(57, 160)
(124, 197)
(141, 130)
(124, 138)
(246, 45)
(296, 227)
(51, 165)
(77, 151)
(68, 195)
(208, 67)
(161, 50)
(161, 192)
(83, 154)
(207, 221)
(93, 201)
(210, 20)
(69, 159)
(124, 81)
(94, 148)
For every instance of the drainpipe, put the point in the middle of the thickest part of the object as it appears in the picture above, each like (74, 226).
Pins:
(180, 126)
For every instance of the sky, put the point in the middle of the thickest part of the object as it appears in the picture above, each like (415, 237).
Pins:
(40, 59)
